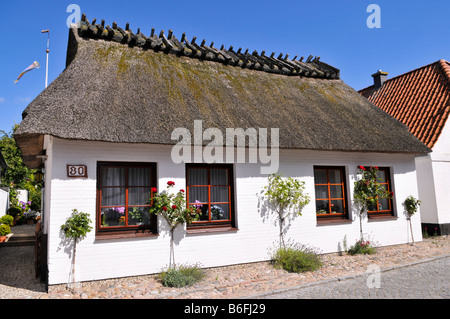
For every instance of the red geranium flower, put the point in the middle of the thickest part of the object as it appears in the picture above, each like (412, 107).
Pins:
(174, 206)
(170, 183)
(182, 190)
(362, 167)
(164, 208)
(154, 190)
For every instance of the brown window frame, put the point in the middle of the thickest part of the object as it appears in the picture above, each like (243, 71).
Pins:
(209, 224)
(384, 212)
(329, 215)
(127, 230)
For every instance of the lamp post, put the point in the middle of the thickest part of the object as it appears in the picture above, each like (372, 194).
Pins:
(47, 51)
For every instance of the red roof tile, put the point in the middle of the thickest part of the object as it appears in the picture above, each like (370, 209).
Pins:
(420, 99)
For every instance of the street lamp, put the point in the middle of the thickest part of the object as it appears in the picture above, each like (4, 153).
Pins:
(46, 64)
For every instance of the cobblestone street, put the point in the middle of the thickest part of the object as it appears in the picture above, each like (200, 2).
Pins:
(428, 280)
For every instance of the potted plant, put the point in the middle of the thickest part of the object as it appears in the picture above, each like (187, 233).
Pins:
(4, 230)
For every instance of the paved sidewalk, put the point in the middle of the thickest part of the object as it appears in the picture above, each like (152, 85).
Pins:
(253, 280)
(427, 279)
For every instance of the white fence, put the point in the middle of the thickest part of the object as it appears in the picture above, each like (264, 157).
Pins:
(4, 201)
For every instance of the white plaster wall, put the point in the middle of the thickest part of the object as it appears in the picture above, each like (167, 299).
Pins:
(100, 259)
(4, 201)
(426, 187)
(440, 169)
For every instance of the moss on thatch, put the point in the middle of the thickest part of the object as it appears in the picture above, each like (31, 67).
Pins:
(117, 93)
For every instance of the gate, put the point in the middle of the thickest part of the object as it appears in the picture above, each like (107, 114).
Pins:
(40, 259)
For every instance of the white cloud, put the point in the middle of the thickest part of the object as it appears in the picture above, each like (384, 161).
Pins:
(2, 99)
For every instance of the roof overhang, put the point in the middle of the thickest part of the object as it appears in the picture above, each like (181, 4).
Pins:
(32, 148)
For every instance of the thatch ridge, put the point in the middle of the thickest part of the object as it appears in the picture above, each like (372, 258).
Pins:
(311, 67)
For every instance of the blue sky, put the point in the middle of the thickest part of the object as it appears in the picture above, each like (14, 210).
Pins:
(413, 33)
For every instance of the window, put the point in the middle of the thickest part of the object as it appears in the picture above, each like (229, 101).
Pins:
(123, 193)
(384, 206)
(329, 185)
(209, 187)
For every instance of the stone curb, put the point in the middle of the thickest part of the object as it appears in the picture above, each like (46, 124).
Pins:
(272, 292)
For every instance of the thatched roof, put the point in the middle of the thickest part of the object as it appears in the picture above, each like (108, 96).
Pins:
(124, 87)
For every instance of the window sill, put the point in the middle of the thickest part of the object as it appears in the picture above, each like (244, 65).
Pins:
(381, 218)
(322, 222)
(120, 235)
(206, 230)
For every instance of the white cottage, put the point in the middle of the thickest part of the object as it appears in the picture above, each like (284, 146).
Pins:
(116, 122)
(420, 99)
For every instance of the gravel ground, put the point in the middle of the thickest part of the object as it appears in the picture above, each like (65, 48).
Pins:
(239, 281)
(17, 273)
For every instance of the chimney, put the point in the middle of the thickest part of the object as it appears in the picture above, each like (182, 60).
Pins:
(379, 78)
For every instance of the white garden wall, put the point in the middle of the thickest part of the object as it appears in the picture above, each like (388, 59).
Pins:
(100, 259)
(441, 170)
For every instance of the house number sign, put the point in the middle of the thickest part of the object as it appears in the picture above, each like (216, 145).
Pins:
(76, 170)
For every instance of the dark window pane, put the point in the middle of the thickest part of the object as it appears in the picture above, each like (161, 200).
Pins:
(113, 196)
(220, 211)
(113, 216)
(322, 207)
(337, 207)
(139, 176)
(219, 176)
(113, 176)
(198, 176)
(321, 191)
(335, 191)
(204, 212)
(320, 176)
(199, 194)
(219, 194)
(383, 204)
(138, 216)
(138, 195)
(334, 176)
(382, 176)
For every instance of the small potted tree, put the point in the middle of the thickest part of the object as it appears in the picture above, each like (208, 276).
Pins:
(368, 191)
(286, 196)
(411, 205)
(76, 228)
(173, 208)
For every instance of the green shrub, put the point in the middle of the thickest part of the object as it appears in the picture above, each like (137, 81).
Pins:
(296, 258)
(362, 247)
(181, 276)
(7, 220)
(4, 230)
